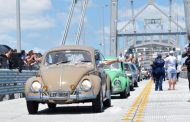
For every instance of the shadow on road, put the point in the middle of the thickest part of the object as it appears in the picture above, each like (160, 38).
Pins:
(68, 110)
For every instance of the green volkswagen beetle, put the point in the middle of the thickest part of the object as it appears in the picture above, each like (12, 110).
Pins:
(119, 81)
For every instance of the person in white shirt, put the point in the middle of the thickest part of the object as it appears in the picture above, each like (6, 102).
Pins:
(171, 69)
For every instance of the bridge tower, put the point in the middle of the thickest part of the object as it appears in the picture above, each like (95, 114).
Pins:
(164, 40)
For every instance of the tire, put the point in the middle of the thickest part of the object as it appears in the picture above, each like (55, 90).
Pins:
(97, 104)
(107, 103)
(139, 79)
(128, 94)
(32, 107)
(51, 105)
(131, 88)
(123, 94)
(136, 84)
(128, 91)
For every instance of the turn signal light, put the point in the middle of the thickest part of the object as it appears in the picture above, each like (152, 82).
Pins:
(45, 88)
(72, 87)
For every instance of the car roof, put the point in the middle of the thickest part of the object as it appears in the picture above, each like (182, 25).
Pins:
(72, 47)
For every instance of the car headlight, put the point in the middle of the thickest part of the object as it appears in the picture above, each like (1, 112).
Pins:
(86, 85)
(117, 82)
(36, 86)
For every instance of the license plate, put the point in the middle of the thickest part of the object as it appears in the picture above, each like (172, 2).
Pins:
(59, 94)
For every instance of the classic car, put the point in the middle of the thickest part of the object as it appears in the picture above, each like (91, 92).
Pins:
(130, 71)
(119, 81)
(69, 74)
(144, 73)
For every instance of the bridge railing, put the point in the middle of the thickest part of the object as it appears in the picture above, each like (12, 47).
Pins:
(12, 82)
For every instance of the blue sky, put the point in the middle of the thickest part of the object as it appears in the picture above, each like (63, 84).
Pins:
(43, 21)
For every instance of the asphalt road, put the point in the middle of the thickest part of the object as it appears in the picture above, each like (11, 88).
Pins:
(161, 106)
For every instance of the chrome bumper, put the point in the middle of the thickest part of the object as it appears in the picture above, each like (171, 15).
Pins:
(79, 97)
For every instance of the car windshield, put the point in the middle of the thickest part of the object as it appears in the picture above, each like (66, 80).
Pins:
(112, 66)
(68, 56)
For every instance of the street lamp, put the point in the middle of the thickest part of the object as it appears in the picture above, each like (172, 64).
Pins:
(18, 28)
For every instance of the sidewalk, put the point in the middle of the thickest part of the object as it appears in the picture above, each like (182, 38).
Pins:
(168, 105)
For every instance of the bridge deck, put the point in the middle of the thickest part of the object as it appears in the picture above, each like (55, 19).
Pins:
(169, 106)
(144, 104)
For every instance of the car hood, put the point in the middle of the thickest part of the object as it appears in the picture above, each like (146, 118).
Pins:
(62, 77)
(112, 73)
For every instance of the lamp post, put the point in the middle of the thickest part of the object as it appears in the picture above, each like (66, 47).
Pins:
(18, 28)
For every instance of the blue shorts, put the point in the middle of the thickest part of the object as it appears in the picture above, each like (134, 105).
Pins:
(172, 75)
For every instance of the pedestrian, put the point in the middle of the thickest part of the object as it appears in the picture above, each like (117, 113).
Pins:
(171, 70)
(186, 53)
(159, 72)
(151, 72)
(129, 55)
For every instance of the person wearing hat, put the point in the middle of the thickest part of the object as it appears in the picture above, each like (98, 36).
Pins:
(171, 70)
(159, 72)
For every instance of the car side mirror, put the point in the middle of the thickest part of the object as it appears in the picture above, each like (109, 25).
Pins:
(97, 57)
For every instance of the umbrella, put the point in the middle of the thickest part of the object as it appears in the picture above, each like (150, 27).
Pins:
(4, 49)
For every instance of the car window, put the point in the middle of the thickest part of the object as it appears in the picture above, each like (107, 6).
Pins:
(112, 66)
(68, 56)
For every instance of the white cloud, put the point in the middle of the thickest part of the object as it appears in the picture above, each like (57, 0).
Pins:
(32, 15)
(7, 40)
(34, 7)
(38, 50)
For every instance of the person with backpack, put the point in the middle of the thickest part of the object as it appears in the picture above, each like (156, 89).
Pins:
(159, 72)
(171, 70)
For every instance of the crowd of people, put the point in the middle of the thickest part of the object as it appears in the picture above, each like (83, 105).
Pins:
(165, 68)
(21, 60)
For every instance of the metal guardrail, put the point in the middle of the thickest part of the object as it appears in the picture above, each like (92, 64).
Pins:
(11, 81)
(11, 87)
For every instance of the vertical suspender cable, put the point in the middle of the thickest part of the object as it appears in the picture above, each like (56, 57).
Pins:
(81, 22)
(68, 22)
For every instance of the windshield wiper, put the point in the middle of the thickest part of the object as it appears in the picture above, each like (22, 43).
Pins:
(62, 62)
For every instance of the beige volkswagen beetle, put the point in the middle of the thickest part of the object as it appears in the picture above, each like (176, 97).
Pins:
(69, 74)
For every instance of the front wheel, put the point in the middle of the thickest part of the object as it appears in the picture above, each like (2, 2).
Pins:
(97, 104)
(51, 105)
(107, 103)
(136, 84)
(123, 94)
(131, 88)
(32, 107)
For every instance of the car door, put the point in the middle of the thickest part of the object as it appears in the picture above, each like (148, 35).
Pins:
(100, 58)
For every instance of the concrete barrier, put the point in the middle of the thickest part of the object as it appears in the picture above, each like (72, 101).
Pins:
(7, 75)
